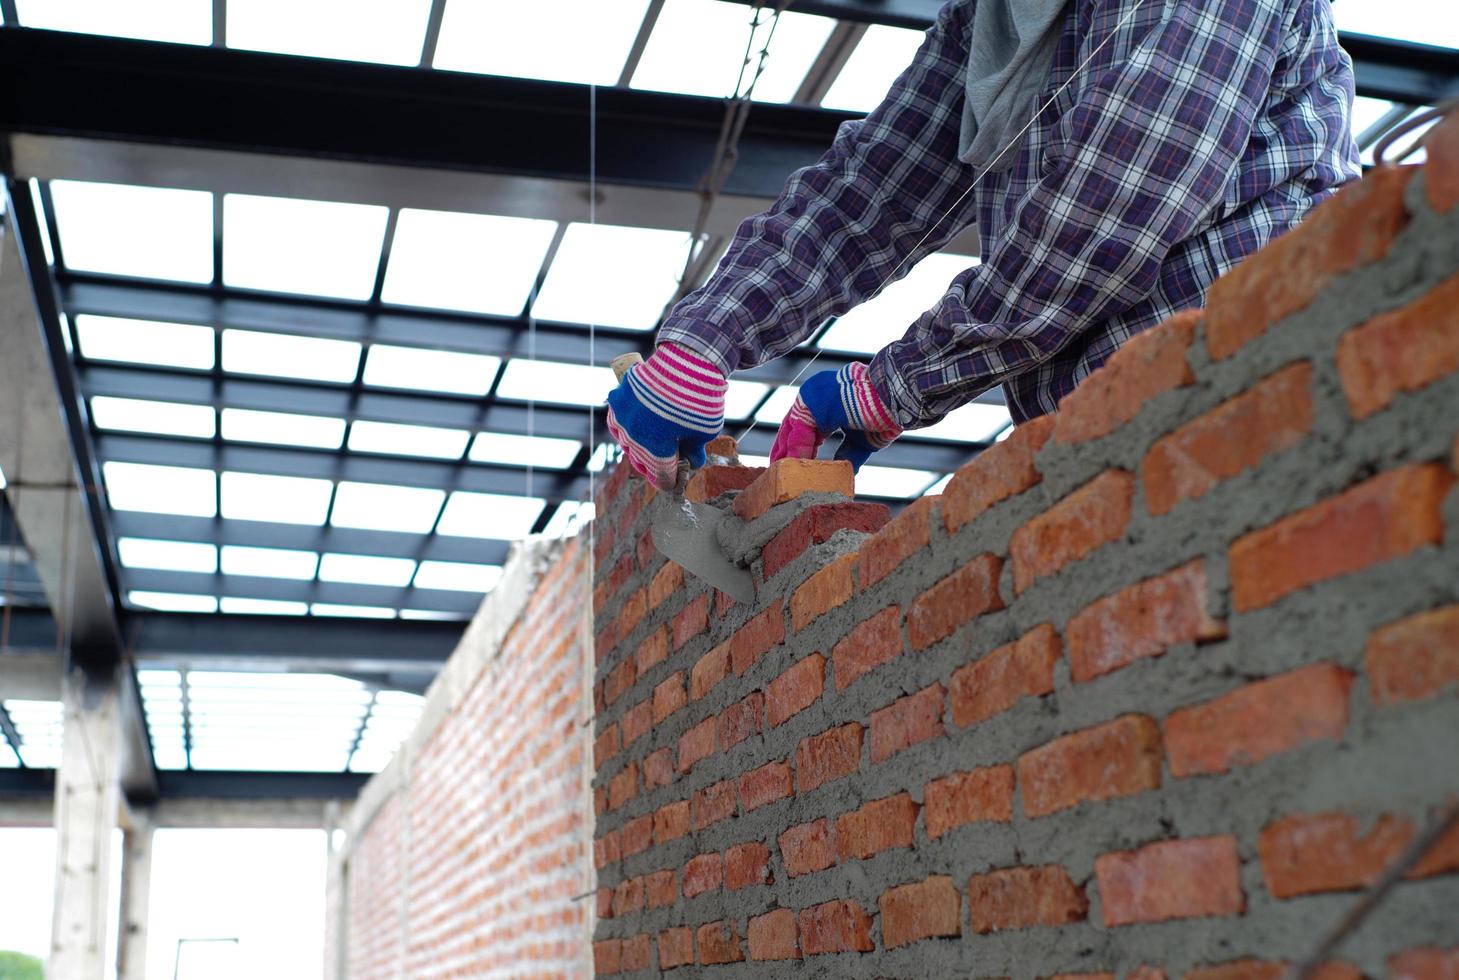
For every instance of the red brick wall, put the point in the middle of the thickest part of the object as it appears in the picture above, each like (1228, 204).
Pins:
(1156, 686)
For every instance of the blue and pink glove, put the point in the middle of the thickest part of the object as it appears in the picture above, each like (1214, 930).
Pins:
(670, 405)
(831, 400)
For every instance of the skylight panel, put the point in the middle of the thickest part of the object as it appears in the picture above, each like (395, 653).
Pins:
(489, 515)
(366, 570)
(282, 428)
(41, 727)
(430, 370)
(148, 232)
(698, 48)
(775, 407)
(169, 556)
(481, 263)
(109, 338)
(39, 203)
(261, 607)
(882, 54)
(356, 612)
(173, 601)
(973, 422)
(568, 519)
(584, 41)
(269, 562)
(612, 276)
(885, 318)
(513, 450)
(160, 418)
(180, 490)
(408, 440)
(1420, 21)
(549, 381)
(286, 356)
(742, 397)
(389, 32)
(938, 487)
(278, 499)
(457, 576)
(434, 615)
(893, 481)
(178, 21)
(380, 507)
(315, 248)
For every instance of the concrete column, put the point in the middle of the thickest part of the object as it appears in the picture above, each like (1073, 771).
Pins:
(88, 810)
(136, 896)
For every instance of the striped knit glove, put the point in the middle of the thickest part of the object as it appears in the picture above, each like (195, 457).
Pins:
(832, 400)
(670, 405)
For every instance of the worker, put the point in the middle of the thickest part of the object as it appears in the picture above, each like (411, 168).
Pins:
(1121, 155)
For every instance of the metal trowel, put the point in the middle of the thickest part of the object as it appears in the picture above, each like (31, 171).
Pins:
(688, 533)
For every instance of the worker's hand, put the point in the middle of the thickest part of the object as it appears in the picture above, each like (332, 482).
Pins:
(670, 405)
(832, 400)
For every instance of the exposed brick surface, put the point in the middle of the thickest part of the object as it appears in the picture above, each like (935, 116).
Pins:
(691, 621)
(808, 847)
(834, 927)
(1414, 658)
(959, 598)
(1001, 471)
(968, 797)
(712, 804)
(669, 697)
(666, 581)
(1143, 620)
(796, 689)
(708, 671)
(1424, 964)
(787, 479)
(1177, 879)
(741, 720)
(905, 722)
(1150, 363)
(676, 947)
(703, 873)
(827, 589)
(766, 784)
(906, 534)
(830, 755)
(1118, 758)
(1441, 175)
(815, 526)
(718, 943)
(697, 743)
(746, 865)
(1090, 517)
(1302, 854)
(654, 649)
(709, 482)
(773, 936)
(920, 910)
(869, 645)
(1018, 898)
(671, 821)
(637, 721)
(1401, 351)
(757, 637)
(876, 826)
(995, 683)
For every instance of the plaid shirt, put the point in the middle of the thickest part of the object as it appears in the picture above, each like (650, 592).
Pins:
(1198, 133)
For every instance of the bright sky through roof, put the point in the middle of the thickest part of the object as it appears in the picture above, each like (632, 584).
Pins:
(180, 21)
(286, 356)
(160, 418)
(974, 422)
(1422, 21)
(148, 232)
(584, 41)
(379, 507)
(430, 370)
(278, 499)
(389, 31)
(892, 481)
(408, 440)
(612, 275)
(174, 556)
(179, 490)
(457, 576)
(106, 338)
(315, 248)
(282, 428)
(869, 327)
(481, 263)
(269, 562)
(547, 381)
(516, 450)
(489, 515)
(366, 570)
(882, 55)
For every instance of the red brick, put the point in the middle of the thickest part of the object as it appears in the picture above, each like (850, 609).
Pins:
(764, 785)
(757, 637)
(608, 849)
(830, 755)
(645, 551)
(658, 768)
(605, 746)
(605, 903)
(676, 947)
(1380, 519)
(796, 689)
(709, 482)
(719, 943)
(1441, 172)
(815, 525)
(637, 721)
(869, 645)
(967, 797)
(1148, 364)
(835, 927)
(669, 696)
(1093, 516)
(1175, 879)
(787, 479)
(1275, 414)
(1002, 470)
(712, 804)
(907, 533)
(1020, 898)
(709, 671)
(1247, 969)
(773, 936)
(808, 847)
(659, 889)
(634, 608)
(653, 650)
(665, 583)
(741, 720)
(1259, 720)
(1414, 658)
(628, 896)
(746, 865)
(906, 722)
(1115, 759)
(638, 835)
(1303, 854)
(1405, 350)
(959, 598)
(619, 681)
(992, 685)
(703, 873)
(1354, 227)
(827, 589)
(691, 621)
(1143, 620)
(697, 743)
(670, 822)
(600, 801)
(1424, 964)
(723, 450)
(607, 956)
(623, 787)
(636, 953)
(877, 826)
(920, 910)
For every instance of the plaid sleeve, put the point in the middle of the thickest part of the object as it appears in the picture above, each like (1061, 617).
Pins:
(1138, 164)
(843, 227)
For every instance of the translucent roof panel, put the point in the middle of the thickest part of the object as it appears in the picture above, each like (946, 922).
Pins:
(178, 21)
(38, 201)
(481, 263)
(775, 407)
(430, 370)
(882, 54)
(158, 418)
(41, 727)
(269, 562)
(274, 721)
(366, 570)
(569, 518)
(489, 515)
(892, 481)
(392, 32)
(457, 576)
(392, 718)
(380, 507)
(885, 318)
(698, 47)
(333, 609)
(108, 338)
(287, 356)
(974, 422)
(408, 440)
(261, 607)
(180, 490)
(584, 41)
(282, 428)
(277, 499)
(1420, 21)
(315, 248)
(742, 397)
(938, 487)
(514, 450)
(549, 381)
(171, 556)
(173, 601)
(147, 232)
(612, 276)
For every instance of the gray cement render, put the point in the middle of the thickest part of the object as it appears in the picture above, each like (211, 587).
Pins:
(1390, 760)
